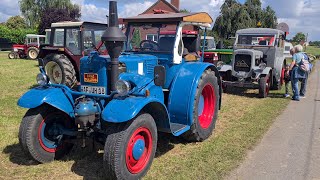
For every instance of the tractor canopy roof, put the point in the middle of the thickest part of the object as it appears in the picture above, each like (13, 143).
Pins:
(78, 24)
(202, 18)
(259, 31)
(34, 35)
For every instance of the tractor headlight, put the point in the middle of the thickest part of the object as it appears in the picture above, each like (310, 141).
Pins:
(42, 79)
(262, 65)
(123, 87)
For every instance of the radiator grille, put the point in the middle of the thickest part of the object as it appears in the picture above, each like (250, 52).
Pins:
(242, 62)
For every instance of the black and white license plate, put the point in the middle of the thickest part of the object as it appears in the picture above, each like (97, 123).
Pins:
(93, 89)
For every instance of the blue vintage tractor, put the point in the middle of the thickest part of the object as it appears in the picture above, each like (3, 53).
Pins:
(158, 83)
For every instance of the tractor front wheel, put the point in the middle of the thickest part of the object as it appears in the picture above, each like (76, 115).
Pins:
(12, 55)
(40, 133)
(60, 70)
(264, 86)
(130, 148)
(32, 53)
(205, 108)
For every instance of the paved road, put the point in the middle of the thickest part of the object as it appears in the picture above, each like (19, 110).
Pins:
(291, 148)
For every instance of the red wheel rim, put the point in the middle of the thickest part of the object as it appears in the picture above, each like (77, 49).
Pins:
(47, 144)
(209, 104)
(282, 76)
(136, 165)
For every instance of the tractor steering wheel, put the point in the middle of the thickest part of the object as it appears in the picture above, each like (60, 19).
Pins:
(152, 47)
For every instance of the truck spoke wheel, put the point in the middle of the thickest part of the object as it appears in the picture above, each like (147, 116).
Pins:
(130, 147)
(205, 108)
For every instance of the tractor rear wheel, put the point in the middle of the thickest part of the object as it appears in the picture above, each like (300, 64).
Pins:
(60, 70)
(40, 133)
(264, 86)
(32, 53)
(205, 108)
(130, 148)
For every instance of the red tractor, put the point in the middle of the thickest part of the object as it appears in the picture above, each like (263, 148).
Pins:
(28, 50)
(68, 42)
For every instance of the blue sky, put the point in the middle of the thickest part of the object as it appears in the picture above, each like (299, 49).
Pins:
(300, 15)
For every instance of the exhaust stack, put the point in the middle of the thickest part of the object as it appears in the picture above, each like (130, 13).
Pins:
(113, 39)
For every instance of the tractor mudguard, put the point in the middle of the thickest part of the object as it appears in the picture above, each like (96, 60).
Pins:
(122, 110)
(225, 68)
(52, 96)
(265, 71)
(183, 90)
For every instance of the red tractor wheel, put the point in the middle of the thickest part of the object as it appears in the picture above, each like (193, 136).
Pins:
(12, 55)
(205, 110)
(32, 53)
(130, 148)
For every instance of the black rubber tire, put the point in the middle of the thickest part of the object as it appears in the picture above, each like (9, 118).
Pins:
(68, 71)
(29, 137)
(34, 50)
(263, 87)
(12, 55)
(118, 135)
(196, 132)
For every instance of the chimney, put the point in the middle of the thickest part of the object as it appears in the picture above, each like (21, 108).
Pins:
(176, 3)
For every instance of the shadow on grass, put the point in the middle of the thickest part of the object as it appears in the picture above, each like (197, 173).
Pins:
(250, 94)
(88, 161)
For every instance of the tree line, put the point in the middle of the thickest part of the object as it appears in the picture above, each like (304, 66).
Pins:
(38, 16)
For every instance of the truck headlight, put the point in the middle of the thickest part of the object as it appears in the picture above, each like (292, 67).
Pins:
(262, 65)
(42, 79)
(123, 87)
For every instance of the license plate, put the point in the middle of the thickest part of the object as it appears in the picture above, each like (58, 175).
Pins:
(93, 89)
(90, 78)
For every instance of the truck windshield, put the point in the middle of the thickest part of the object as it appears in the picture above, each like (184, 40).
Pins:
(256, 40)
(209, 44)
(148, 37)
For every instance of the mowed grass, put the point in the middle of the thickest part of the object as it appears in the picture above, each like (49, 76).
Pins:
(314, 50)
(242, 121)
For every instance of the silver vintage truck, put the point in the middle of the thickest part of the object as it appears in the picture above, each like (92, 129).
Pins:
(258, 61)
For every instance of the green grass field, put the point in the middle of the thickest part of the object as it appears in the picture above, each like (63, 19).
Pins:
(242, 121)
(313, 50)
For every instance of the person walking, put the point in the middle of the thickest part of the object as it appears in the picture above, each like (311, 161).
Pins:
(296, 72)
(304, 81)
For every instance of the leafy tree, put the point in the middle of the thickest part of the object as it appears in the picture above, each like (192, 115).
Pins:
(185, 11)
(136, 39)
(32, 10)
(53, 15)
(299, 37)
(16, 22)
(15, 35)
(269, 18)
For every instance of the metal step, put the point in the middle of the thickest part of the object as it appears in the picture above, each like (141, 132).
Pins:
(178, 129)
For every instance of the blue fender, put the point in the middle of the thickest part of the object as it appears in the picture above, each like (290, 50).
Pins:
(122, 110)
(183, 89)
(52, 96)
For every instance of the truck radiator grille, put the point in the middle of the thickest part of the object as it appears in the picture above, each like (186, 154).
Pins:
(242, 62)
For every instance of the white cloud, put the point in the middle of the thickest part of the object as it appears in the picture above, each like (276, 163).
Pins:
(8, 8)
(133, 9)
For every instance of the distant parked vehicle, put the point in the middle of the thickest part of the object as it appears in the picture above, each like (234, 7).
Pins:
(30, 49)
(5, 44)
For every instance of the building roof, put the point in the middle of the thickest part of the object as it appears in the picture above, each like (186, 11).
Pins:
(201, 17)
(165, 2)
(259, 31)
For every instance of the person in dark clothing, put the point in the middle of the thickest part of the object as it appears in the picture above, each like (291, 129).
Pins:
(287, 80)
